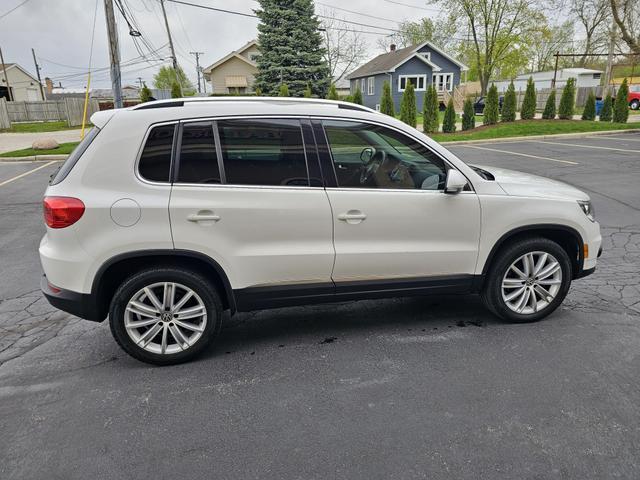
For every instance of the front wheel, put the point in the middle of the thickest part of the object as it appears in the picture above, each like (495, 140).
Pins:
(165, 316)
(528, 281)
(635, 104)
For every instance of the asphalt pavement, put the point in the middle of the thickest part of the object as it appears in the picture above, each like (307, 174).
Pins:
(429, 387)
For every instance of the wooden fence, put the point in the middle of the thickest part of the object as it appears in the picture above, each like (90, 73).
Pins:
(5, 122)
(74, 108)
(67, 109)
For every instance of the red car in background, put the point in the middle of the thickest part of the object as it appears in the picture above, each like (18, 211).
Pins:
(634, 97)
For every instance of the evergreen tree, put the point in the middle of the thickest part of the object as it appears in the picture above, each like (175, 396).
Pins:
(468, 115)
(291, 49)
(284, 90)
(529, 103)
(175, 90)
(333, 93)
(589, 112)
(386, 102)
(549, 112)
(621, 105)
(510, 104)
(606, 112)
(449, 120)
(145, 94)
(567, 100)
(408, 111)
(430, 111)
(357, 97)
(491, 106)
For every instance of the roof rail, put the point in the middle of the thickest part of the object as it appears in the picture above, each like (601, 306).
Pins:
(179, 102)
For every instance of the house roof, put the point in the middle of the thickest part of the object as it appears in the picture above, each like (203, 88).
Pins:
(562, 72)
(9, 66)
(236, 54)
(388, 62)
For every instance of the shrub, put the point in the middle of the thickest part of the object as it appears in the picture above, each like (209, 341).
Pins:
(510, 104)
(333, 93)
(621, 106)
(357, 97)
(284, 90)
(491, 107)
(258, 92)
(589, 112)
(175, 90)
(468, 115)
(549, 112)
(386, 102)
(430, 111)
(606, 113)
(449, 121)
(567, 100)
(348, 98)
(307, 92)
(408, 112)
(529, 102)
(145, 94)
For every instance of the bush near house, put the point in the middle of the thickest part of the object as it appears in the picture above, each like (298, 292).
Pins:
(567, 100)
(175, 90)
(258, 92)
(430, 111)
(307, 92)
(589, 112)
(386, 102)
(491, 107)
(549, 112)
(357, 97)
(449, 121)
(606, 112)
(145, 94)
(284, 90)
(468, 115)
(621, 106)
(510, 104)
(528, 110)
(408, 111)
(333, 93)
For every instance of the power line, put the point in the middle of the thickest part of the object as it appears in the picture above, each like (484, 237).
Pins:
(426, 9)
(356, 13)
(13, 9)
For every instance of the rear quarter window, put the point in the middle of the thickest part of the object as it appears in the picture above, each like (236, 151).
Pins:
(155, 160)
(74, 156)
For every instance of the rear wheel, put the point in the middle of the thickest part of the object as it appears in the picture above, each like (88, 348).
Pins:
(528, 281)
(635, 104)
(165, 316)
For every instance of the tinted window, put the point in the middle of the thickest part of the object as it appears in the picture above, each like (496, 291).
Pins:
(198, 160)
(75, 155)
(155, 161)
(263, 152)
(371, 156)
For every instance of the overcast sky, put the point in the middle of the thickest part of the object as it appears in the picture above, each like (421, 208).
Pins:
(60, 33)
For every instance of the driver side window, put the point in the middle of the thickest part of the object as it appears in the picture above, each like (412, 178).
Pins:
(371, 156)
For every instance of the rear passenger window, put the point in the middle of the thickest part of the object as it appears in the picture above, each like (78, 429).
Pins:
(155, 161)
(198, 160)
(263, 152)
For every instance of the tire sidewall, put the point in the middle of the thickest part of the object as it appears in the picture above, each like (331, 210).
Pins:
(130, 287)
(635, 104)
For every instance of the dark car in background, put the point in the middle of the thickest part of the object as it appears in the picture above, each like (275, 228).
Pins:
(478, 106)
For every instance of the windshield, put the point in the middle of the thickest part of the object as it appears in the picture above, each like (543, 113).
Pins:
(74, 156)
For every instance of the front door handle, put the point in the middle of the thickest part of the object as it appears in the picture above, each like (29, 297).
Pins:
(352, 216)
(203, 216)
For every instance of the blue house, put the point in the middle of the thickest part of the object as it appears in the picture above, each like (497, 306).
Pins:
(419, 64)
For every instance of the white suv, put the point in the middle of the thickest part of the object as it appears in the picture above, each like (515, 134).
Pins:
(171, 212)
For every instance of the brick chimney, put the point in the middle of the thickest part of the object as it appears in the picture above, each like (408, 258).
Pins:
(48, 85)
(392, 47)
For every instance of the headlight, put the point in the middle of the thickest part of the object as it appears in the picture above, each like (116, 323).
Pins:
(587, 208)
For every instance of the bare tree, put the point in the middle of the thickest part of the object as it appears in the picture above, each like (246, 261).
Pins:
(626, 14)
(594, 17)
(549, 40)
(345, 48)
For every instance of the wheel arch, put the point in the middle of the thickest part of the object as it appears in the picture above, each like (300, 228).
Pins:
(115, 270)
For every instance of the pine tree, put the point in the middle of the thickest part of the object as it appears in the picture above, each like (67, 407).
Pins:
(307, 92)
(386, 102)
(549, 112)
(291, 49)
(529, 103)
(589, 112)
(175, 90)
(510, 104)
(357, 97)
(449, 120)
(284, 90)
(468, 115)
(606, 112)
(567, 100)
(491, 107)
(145, 94)
(333, 93)
(430, 111)
(621, 105)
(408, 112)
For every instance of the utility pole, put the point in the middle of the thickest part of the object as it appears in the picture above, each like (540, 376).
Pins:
(612, 45)
(555, 70)
(4, 68)
(197, 55)
(114, 54)
(140, 82)
(33, 52)
(174, 59)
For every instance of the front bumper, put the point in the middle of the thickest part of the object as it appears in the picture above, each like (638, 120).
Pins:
(81, 305)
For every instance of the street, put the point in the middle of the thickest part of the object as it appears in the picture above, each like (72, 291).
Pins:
(422, 387)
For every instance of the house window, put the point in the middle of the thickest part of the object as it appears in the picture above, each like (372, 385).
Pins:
(443, 81)
(363, 85)
(377, 107)
(596, 76)
(371, 83)
(419, 82)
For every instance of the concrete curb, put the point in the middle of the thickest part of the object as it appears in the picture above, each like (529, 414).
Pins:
(34, 158)
(539, 137)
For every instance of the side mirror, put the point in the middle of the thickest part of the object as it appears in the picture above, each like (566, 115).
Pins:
(455, 181)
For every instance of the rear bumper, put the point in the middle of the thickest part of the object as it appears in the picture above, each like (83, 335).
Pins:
(79, 304)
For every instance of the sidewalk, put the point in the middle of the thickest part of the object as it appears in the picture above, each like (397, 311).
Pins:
(18, 141)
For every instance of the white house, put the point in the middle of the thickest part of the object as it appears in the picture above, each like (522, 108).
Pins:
(585, 77)
(24, 86)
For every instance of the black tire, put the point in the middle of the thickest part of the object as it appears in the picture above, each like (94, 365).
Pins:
(196, 282)
(492, 290)
(634, 105)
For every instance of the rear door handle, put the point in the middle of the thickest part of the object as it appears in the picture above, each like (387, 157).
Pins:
(203, 217)
(352, 216)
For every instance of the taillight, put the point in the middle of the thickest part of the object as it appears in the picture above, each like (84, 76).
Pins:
(60, 212)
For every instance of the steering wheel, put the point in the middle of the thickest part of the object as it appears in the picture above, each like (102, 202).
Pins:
(372, 166)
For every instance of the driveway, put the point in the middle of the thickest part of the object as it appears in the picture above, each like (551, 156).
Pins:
(18, 141)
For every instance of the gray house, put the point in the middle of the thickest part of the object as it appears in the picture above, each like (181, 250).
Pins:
(419, 64)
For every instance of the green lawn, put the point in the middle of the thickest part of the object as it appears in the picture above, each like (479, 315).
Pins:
(35, 127)
(524, 128)
(63, 149)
